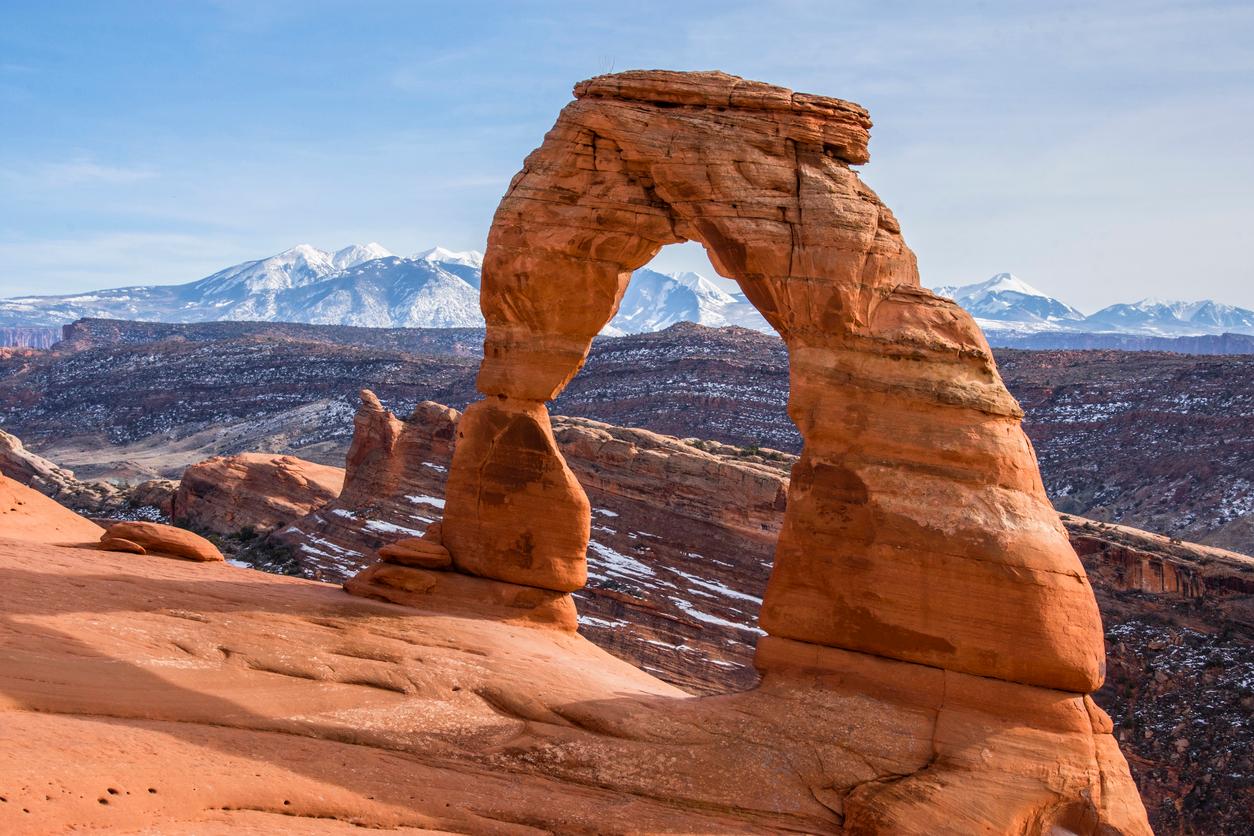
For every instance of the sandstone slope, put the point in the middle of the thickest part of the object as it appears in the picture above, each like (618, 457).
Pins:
(295, 707)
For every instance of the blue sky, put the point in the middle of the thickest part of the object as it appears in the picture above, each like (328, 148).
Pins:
(1102, 151)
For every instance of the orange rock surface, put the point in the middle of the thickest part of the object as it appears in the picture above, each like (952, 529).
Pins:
(26, 514)
(413, 551)
(258, 490)
(933, 638)
(155, 538)
(141, 695)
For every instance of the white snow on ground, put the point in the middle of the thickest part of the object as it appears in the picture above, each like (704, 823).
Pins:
(715, 586)
(430, 500)
(593, 621)
(390, 528)
(616, 562)
(691, 610)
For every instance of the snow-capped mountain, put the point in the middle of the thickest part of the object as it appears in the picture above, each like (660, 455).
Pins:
(1006, 303)
(1173, 318)
(1008, 298)
(359, 285)
(654, 301)
(366, 285)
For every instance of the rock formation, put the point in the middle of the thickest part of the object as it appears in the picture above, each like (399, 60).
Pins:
(681, 543)
(51, 480)
(155, 538)
(94, 497)
(918, 545)
(253, 490)
(917, 527)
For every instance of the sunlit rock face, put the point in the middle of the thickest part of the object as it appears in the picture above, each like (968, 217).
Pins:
(917, 527)
(918, 547)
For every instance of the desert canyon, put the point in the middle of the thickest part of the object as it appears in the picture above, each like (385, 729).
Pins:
(927, 639)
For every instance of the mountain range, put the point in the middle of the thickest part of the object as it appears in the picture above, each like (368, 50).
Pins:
(1006, 303)
(366, 285)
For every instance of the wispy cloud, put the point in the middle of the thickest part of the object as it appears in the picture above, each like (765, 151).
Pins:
(77, 172)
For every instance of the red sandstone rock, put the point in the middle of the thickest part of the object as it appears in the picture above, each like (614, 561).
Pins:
(54, 481)
(117, 544)
(347, 713)
(413, 551)
(513, 510)
(253, 490)
(156, 538)
(26, 514)
(917, 545)
(917, 526)
(418, 587)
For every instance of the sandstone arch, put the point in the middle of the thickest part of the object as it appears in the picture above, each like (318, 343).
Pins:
(917, 526)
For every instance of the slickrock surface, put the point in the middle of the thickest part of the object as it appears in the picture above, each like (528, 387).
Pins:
(29, 515)
(155, 538)
(932, 635)
(261, 491)
(682, 542)
(304, 709)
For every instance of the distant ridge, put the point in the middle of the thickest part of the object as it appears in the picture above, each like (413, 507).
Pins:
(1009, 308)
(367, 286)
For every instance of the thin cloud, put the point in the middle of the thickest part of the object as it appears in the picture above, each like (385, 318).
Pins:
(78, 172)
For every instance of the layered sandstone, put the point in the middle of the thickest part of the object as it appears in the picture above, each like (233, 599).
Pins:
(393, 488)
(33, 470)
(258, 491)
(680, 547)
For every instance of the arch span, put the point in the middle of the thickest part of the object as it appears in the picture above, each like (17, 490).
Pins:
(917, 526)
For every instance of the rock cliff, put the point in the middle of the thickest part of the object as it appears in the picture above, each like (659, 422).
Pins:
(681, 539)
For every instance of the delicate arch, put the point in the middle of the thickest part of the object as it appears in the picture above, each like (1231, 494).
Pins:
(917, 527)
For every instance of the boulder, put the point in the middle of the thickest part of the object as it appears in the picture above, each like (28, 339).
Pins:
(117, 544)
(155, 538)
